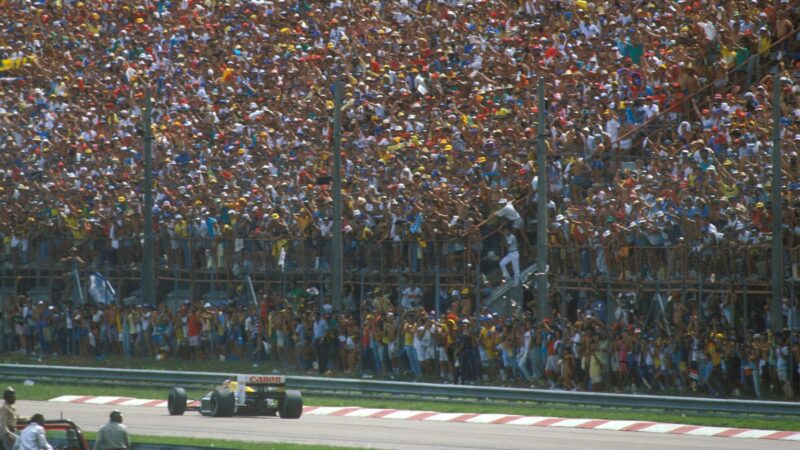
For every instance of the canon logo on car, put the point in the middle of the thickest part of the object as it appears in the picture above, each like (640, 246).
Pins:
(266, 379)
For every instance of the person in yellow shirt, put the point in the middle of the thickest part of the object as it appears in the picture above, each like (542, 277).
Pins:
(72, 222)
(713, 352)
(115, 324)
(488, 341)
(304, 221)
(389, 339)
(730, 191)
(181, 233)
(408, 347)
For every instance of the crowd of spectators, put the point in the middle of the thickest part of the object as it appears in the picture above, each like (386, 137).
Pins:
(686, 349)
(658, 126)
(658, 135)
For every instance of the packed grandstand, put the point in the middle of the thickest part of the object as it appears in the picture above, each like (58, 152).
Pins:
(658, 134)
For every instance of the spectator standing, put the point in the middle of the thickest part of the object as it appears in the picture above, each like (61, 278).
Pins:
(512, 256)
(8, 418)
(381, 303)
(33, 436)
(408, 346)
(195, 326)
(253, 332)
(412, 296)
(320, 335)
(300, 342)
(465, 370)
(113, 435)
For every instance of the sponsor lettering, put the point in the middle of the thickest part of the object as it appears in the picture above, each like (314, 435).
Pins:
(266, 379)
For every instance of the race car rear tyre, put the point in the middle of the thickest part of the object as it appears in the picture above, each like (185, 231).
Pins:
(176, 402)
(292, 405)
(223, 402)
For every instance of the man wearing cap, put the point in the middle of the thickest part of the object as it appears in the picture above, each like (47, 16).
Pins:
(508, 212)
(113, 435)
(8, 419)
(33, 437)
(465, 364)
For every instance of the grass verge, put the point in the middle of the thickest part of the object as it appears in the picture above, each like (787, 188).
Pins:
(221, 443)
(46, 391)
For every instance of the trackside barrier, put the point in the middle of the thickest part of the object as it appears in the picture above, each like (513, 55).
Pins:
(358, 386)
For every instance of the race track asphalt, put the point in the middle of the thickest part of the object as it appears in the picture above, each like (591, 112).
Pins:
(384, 433)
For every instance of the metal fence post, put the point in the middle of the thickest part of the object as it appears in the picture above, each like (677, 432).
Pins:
(438, 289)
(746, 306)
(700, 280)
(776, 315)
(563, 292)
(337, 262)
(77, 294)
(542, 300)
(609, 299)
(148, 269)
(192, 289)
(478, 294)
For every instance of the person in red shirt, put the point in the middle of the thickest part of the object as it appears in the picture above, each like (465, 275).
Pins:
(553, 351)
(195, 327)
(761, 218)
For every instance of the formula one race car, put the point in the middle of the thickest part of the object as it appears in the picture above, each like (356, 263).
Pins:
(249, 395)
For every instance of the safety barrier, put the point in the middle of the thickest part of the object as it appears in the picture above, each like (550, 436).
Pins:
(344, 386)
(192, 268)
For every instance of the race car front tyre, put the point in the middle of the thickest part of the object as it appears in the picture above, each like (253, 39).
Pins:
(292, 405)
(223, 402)
(176, 402)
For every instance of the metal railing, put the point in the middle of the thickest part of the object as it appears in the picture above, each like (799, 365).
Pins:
(200, 265)
(413, 390)
(197, 266)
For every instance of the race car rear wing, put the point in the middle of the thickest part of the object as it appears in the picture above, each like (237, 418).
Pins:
(273, 380)
(242, 380)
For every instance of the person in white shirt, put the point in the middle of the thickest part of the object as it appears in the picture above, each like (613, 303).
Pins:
(612, 127)
(412, 296)
(33, 436)
(651, 108)
(523, 350)
(512, 256)
(508, 212)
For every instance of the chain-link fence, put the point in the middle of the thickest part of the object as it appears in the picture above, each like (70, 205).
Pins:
(59, 269)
